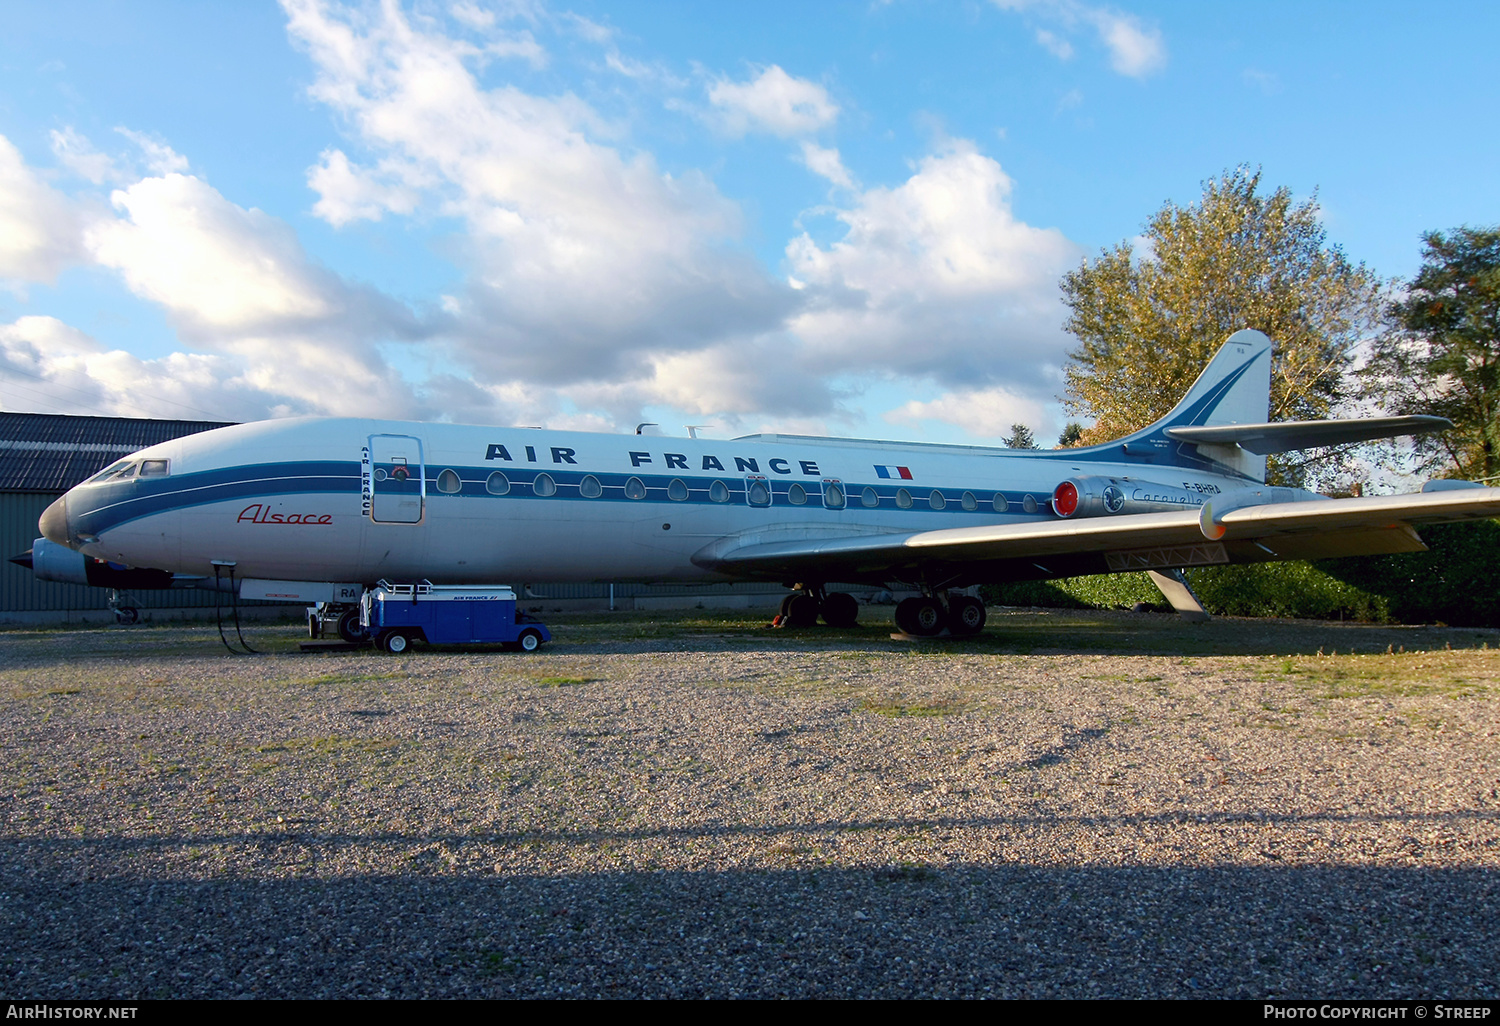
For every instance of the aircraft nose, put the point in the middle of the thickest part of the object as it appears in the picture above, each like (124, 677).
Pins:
(54, 523)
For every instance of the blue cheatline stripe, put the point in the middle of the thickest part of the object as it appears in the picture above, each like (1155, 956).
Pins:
(117, 503)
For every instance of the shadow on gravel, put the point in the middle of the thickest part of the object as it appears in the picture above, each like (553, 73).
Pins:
(1010, 632)
(1006, 931)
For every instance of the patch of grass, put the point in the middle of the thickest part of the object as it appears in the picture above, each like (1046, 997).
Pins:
(1460, 674)
(564, 682)
(345, 678)
(896, 709)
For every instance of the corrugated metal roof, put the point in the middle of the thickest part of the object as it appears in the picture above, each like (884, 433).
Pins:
(42, 452)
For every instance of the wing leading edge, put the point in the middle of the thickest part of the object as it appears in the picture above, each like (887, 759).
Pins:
(1317, 529)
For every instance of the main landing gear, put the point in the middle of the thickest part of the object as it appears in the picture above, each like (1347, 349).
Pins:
(926, 617)
(837, 608)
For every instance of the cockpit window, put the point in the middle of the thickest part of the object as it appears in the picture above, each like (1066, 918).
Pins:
(127, 469)
(109, 471)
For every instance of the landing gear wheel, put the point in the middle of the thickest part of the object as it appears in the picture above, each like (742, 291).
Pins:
(905, 615)
(530, 641)
(965, 615)
(350, 629)
(395, 642)
(786, 607)
(127, 616)
(802, 611)
(920, 616)
(840, 609)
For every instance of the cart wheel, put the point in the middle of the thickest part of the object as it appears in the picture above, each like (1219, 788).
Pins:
(530, 641)
(314, 626)
(396, 642)
(350, 629)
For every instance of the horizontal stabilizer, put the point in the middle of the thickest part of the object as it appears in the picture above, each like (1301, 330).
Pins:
(1289, 435)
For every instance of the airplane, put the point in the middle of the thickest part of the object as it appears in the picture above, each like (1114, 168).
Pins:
(299, 507)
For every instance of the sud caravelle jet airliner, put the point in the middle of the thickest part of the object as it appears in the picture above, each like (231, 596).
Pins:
(312, 509)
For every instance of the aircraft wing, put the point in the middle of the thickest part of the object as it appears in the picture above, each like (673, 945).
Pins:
(1317, 529)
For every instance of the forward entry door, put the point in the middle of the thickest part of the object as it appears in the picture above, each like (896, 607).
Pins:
(398, 479)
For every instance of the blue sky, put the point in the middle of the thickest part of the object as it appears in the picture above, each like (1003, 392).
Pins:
(840, 218)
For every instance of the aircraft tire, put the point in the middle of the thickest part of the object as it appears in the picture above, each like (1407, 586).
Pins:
(127, 616)
(966, 615)
(905, 620)
(840, 609)
(922, 617)
(802, 611)
(786, 605)
(349, 628)
(395, 642)
(529, 641)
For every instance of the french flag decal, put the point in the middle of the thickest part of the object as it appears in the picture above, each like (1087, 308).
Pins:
(893, 473)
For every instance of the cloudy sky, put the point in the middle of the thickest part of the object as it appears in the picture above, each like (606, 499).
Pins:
(838, 218)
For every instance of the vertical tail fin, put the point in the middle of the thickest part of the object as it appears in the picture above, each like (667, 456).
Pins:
(1235, 388)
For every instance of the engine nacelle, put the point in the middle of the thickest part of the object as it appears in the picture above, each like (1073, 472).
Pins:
(1117, 496)
(53, 562)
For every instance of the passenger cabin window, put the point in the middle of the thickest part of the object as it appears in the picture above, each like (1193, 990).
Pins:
(833, 495)
(497, 484)
(1028, 504)
(154, 468)
(869, 497)
(903, 498)
(969, 502)
(1000, 504)
(635, 488)
(677, 491)
(718, 492)
(448, 483)
(796, 495)
(590, 488)
(544, 485)
(756, 492)
(936, 499)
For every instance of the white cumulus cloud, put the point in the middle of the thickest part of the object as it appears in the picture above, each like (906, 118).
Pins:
(773, 102)
(986, 413)
(1135, 49)
(39, 229)
(586, 263)
(936, 277)
(825, 161)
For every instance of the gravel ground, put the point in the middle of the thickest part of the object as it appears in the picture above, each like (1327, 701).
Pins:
(1076, 804)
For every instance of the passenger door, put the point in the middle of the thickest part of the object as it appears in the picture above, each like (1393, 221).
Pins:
(396, 479)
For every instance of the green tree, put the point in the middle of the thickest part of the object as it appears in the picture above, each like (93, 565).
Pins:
(1148, 323)
(1441, 355)
(1020, 438)
(1071, 435)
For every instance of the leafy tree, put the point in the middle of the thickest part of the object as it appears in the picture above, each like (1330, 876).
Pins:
(1441, 355)
(1148, 322)
(1020, 438)
(1071, 435)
